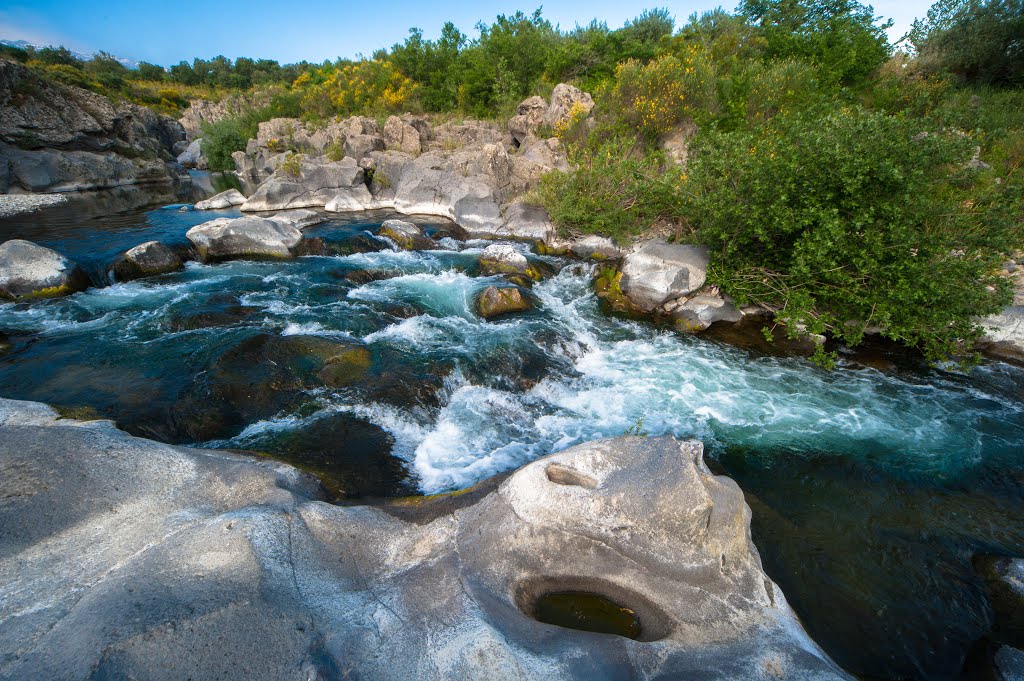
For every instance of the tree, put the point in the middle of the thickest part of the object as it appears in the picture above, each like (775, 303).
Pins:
(841, 37)
(981, 41)
(149, 71)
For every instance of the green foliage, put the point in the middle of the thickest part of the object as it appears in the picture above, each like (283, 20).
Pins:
(637, 429)
(978, 40)
(221, 139)
(841, 37)
(851, 220)
(619, 188)
(292, 164)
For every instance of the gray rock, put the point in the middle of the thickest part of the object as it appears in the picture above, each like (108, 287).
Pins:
(300, 218)
(226, 199)
(406, 235)
(676, 142)
(595, 248)
(193, 157)
(526, 223)
(700, 310)
(401, 136)
(29, 270)
(565, 100)
(529, 116)
(1009, 664)
(246, 237)
(146, 260)
(316, 184)
(125, 558)
(360, 146)
(1004, 333)
(53, 170)
(658, 271)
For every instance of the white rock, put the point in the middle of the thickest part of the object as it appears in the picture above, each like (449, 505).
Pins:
(227, 199)
(658, 271)
(228, 238)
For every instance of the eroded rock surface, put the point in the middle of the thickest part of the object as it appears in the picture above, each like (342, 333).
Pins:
(125, 558)
(227, 238)
(146, 260)
(31, 270)
(226, 199)
(658, 271)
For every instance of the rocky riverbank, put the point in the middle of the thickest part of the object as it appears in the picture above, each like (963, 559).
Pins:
(61, 138)
(121, 557)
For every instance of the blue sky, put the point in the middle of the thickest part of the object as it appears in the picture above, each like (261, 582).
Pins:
(313, 29)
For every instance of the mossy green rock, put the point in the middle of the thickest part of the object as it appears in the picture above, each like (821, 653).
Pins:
(406, 235)
(346, 368)
(496, 301)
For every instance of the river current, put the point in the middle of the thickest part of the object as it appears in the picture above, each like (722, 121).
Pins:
(871, 490)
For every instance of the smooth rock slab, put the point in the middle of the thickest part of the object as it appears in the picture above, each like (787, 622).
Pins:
(231, 197)
(658, 271)
(126, 558)
(228, 238)
(30, 270)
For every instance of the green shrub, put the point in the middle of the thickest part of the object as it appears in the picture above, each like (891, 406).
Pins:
(292, 164)
(335, 151)
(618, 188)
(852, 220)
(220, 140)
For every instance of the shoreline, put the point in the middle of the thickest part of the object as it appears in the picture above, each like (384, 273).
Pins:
(16, 204)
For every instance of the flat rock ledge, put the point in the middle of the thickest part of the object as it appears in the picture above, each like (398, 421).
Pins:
(126, 558)
(13, 204)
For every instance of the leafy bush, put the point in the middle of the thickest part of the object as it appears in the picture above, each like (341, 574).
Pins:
(221, 139)
(367, 86)
(619, 188)
(851, 220)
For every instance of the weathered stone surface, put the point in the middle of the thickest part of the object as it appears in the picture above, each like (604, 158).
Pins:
(30, 270)
(406, 235)
(658, 271)
(299, 218)
(529, 116)
(1009, 664)
(229, 238)
(676, 142)
(401, 136)
(566, 101)
(700, 310)
(1004, 581)
(146, 260)
(360, 146)
(595, 248)
(1004, 333)
(53, 170)
(226, 199)
(494, 301)
(125, 558)
(315, 185)
(192, 156)
(526, 223)
(503, 259)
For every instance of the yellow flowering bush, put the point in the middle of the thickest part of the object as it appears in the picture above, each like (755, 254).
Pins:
(362, 87)
(654, 97)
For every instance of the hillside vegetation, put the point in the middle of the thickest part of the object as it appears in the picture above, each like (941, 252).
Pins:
(845, 183)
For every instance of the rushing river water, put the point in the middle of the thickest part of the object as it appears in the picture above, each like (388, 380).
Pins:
(871, 491)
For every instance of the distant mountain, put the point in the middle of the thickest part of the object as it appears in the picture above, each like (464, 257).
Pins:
(24, 44)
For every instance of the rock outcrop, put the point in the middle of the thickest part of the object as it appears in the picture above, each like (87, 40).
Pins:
(657, 271)
(28, 270)
(315, 184)
(1004, 334)
(246, 237)
(226, 199)
(146, 260)
(192, 156)
(62, 138)
(125, 558)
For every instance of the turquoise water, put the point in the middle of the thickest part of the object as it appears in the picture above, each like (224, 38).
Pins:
(871, 491)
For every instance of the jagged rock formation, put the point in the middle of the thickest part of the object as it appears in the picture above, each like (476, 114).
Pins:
(125, 558)
(63, 138)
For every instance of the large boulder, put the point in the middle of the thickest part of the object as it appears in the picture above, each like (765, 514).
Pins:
(28, 270)
(402, 136)
(55, 170)
(698, 311)
(226, 199)
(1004, 334)
(525, 222)
(299, 218)
(146, 260)
(658, 271)
(504, 259)
(529, 116)
(192, 156)
(494, 301)
(245, 237)
(314, 184)
(126, 558)
(567, 101)
(406, 235)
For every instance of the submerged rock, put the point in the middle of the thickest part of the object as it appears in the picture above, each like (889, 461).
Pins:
(146, 260)
(658, 271)
(494, 301)
(231, 197)
(28, 270)
(406, 235)
(246, 237)
(126, 558)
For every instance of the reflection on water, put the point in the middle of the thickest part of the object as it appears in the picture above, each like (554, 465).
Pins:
(871, 490)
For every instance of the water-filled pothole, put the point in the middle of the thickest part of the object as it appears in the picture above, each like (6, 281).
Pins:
(587, 612)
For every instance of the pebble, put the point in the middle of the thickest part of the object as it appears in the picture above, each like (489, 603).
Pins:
(12, 204)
